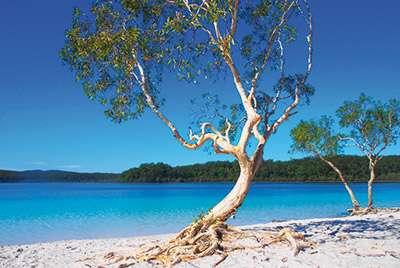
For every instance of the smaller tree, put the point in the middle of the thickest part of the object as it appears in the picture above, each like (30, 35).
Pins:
(373, 127)
(316, 137)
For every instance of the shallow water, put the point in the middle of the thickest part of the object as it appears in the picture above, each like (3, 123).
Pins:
(42, 212)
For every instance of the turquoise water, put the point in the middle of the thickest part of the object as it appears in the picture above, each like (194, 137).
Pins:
(42, 212)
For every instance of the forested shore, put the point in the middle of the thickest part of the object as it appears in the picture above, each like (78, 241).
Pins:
(306, 170)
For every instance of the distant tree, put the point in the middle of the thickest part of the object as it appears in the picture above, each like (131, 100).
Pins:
(373, 127)
(317, 137)
(121, 49)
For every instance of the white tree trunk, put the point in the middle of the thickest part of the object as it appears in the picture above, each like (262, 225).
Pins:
(235, 198)
(354, 201)
(371, 180)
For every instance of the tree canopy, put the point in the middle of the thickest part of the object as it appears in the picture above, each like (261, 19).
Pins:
(121, 50)
(373, 125)
(316, 137)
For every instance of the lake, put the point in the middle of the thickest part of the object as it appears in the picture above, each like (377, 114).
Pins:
(43, 212)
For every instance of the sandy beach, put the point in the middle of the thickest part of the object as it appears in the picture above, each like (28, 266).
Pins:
(360, 241)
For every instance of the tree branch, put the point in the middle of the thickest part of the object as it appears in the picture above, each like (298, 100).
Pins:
(234, 18)
(287, 112)
(270, 44)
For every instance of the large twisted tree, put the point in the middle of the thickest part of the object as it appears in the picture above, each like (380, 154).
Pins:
(121, 49)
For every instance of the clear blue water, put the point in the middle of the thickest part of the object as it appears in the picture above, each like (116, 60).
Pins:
(42, 212)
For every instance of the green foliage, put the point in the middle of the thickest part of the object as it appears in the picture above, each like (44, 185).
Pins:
(199, 216)
(55, 176)
(316, 137)
(286, 87)
(102, 49)
(288, 84)
(297, 170)
(9, 176)
(263, 16)
(105, 46)
(373, 125)
(209, 172)
(210, 108)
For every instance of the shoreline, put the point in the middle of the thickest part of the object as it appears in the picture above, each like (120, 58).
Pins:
(371, 240)
(381, 181)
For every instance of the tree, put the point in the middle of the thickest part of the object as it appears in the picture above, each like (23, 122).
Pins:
(121, 49)
(373, 127)
(316, 137)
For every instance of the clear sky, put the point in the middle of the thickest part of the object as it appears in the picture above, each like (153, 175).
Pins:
(46, 121)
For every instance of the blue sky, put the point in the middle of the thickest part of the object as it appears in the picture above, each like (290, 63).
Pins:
(48, 123)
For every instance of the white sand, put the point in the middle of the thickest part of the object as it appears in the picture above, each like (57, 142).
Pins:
(361, 241)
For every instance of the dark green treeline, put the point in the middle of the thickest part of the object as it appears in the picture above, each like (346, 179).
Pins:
(55, 176)
(354, 168)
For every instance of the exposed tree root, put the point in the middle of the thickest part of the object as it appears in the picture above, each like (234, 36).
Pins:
(202, 239)
(370, 210)
(359, 212)
(199, 240)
